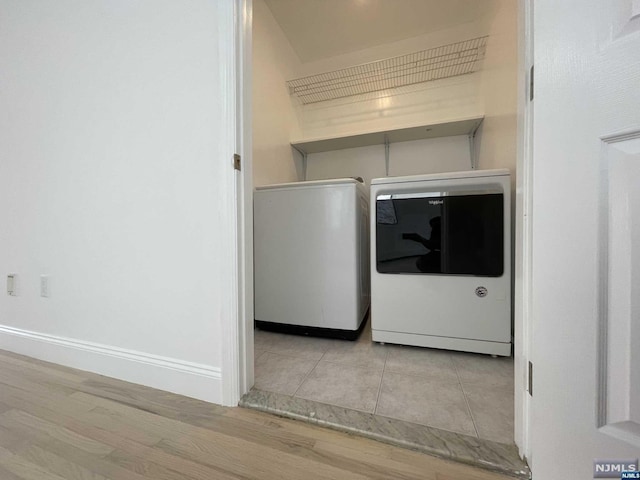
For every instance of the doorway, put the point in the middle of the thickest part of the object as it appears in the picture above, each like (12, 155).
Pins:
(311, 359)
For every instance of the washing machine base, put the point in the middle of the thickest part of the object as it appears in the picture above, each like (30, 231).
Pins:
(313, 331)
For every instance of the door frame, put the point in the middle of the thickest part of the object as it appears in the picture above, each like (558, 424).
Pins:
(237, 337)
(523, 234)
(245, 128)
(236, 340)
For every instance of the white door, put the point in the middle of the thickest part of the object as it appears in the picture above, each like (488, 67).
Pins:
(586, 236)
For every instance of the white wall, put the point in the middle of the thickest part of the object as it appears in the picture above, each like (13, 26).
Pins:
(366, 162)
(497, 136)
(433, 155)
(113, 181)
(275, 120)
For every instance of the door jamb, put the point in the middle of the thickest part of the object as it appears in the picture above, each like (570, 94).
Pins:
(237, 329)
(523, 241)
(245, 127)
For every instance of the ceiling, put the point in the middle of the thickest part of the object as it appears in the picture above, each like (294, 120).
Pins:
(324, 28)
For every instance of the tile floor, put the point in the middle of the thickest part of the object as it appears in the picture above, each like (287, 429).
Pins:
(465, 393)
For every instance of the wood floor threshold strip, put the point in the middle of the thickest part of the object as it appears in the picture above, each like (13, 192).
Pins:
(493, 456)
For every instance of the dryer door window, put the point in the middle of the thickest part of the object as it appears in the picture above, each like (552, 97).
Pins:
(446, 235)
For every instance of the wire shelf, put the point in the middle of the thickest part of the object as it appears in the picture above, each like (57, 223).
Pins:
(436, 63)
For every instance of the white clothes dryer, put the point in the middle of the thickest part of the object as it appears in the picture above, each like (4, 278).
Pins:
(441, 261)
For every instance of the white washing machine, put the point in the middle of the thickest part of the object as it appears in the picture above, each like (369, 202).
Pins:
(441, 261)
(311, 257)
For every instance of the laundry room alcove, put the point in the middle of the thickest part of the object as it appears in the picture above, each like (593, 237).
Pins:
(376, 99)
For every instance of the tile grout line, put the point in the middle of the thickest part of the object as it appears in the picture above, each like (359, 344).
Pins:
(256, 358)
(432, 379)
(308, 373)
(424, 425)
(348, 364)
(289, 355)
(270, 350)
(466, 400)
(384, 367)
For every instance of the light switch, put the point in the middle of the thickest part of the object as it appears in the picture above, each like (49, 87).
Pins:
(12, 284)
(45, 286)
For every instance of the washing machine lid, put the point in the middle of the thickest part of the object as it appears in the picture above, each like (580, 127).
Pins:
(312, 183)
(498, 172)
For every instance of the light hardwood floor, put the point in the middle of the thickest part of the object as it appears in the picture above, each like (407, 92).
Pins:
(57, 423)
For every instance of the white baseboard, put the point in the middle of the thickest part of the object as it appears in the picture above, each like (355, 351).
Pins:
(170, 374)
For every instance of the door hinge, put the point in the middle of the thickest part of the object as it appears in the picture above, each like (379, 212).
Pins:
(531, 84)
(236, 161)
(530, 375)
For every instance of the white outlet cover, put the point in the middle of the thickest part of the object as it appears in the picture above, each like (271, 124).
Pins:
(12, 284)
(45, 286)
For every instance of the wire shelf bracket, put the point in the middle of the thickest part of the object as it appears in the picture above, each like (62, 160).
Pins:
(445, 61)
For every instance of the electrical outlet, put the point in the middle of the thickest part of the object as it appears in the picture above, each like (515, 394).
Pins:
(12, 284)
(45, 286)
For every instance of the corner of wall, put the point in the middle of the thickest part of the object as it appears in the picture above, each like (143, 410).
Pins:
(497, 145)
(276, 118)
